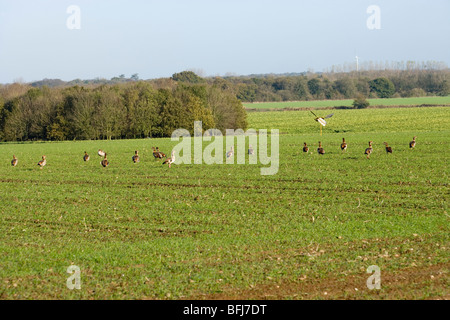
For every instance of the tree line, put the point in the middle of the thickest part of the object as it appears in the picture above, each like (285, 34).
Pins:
(132, 108)
(334, 86)
(129, 110)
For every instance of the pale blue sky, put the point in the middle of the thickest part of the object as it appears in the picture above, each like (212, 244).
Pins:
(158, 38)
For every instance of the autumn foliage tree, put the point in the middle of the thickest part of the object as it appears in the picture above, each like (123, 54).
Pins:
(126, 110)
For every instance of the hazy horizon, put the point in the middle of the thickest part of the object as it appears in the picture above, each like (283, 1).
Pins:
(44, 39)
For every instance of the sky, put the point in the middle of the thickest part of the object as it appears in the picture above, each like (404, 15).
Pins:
(43, 39)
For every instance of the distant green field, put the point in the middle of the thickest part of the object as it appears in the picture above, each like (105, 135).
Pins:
(348, 103)
(144, 231)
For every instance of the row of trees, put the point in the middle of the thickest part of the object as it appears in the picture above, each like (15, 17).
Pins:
(411, 80)
(372, 84)
(133, 108)
(129, 110)
(370, 65)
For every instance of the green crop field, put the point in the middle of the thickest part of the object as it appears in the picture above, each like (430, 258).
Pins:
(415, 101)
(221, 231)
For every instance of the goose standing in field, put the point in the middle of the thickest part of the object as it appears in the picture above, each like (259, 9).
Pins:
(412, 144)
(305, 147)
(369, 150)
(158, 154)
(101, 153)
(230, 153)
(161, 154)
(170, 160)
(86, 156)
(104, 162)
(43, 162)
(135, 158)
(155, 153)
(320, 149)
(14, 161)
(343, 145)
(250, 150)
(388, 149)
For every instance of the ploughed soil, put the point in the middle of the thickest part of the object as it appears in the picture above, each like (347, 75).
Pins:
(412, 283)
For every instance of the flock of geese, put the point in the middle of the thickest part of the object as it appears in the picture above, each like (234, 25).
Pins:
(135, 158)
(367, 152)
(169, 160)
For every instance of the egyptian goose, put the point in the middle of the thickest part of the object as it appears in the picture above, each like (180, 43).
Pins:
(161, 154)
(343, 145)
(14, 161)
(412, 144)
(369, 150)
(230, 153)
(101, 153)
(388, 149)
(135, 158)
(320, 149)
(43, 162)
(155, 154)
(158, 154)
(305, 147)
(86, 156)
(250, 150)
(104, 162)
(170, 160)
